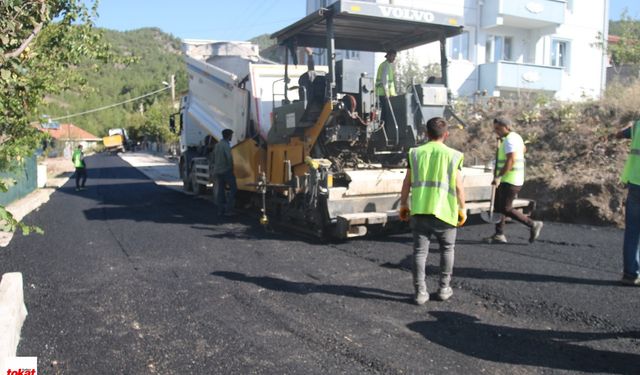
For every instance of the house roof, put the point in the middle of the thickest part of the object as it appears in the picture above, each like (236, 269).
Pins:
(66, 132)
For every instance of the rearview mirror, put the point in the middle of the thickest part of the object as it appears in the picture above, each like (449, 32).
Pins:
(172, 123)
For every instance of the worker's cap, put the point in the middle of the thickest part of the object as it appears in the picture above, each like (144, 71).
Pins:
(227, 133)
(391, 52)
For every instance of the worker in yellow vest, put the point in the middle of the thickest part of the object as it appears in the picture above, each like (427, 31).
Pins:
(510, 178)
(81, 168)
(385, 82)
(631, 177)
(437, 206)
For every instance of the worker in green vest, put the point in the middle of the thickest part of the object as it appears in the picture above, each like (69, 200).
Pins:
(631, 177)
(385, 82)
(437, 206)
(81, 167)
(510, 177)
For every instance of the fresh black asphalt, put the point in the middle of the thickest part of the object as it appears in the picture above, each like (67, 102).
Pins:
(134, 278)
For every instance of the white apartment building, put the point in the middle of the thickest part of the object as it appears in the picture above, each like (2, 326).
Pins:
(514, 46)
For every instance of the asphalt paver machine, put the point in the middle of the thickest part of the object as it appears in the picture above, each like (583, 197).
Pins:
(309, 147)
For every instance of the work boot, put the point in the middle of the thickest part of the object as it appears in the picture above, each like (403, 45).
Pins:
(445, 293)
(630, 280)
(535, 231)
(496, 238)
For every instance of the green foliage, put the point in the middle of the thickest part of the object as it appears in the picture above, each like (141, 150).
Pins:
(153, 124)
(38, 56)
(627, 50)
(9, 224)
(408, 72)
(153, 56)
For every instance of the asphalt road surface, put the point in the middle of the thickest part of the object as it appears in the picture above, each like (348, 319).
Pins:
(133, 278)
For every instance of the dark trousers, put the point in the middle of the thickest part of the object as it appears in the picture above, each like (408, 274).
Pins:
(383, 101)
(505, 194)
(81, 173)
(226, 201)
(631, 244)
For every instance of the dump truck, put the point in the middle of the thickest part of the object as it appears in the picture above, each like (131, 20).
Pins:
(310, 148)
(116, 141)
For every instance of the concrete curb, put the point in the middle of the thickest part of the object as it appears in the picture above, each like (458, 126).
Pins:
(13, 312)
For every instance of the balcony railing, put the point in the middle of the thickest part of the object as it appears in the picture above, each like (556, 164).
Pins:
(506, 75)
(527, 14)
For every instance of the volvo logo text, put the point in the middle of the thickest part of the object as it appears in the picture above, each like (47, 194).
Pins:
(407, 14)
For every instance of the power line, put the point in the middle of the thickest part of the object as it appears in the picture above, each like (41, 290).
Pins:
(111, 105)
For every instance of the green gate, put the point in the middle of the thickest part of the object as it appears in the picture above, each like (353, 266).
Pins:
(26, 181)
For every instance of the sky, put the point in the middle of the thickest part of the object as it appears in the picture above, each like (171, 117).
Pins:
(231, 19)
(202, 19)
(616, 7)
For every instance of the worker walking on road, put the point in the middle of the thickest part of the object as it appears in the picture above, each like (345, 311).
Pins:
(385, 82)
(81, 168)
(510, 177)
(631, 177)
(437, 205)
(223, 172)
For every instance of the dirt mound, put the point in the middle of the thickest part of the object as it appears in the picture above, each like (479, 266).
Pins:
(573, 163)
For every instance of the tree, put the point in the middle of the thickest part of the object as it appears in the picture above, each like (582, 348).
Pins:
(408, 72)
(38, 56)
(155, 123)
(627, 50)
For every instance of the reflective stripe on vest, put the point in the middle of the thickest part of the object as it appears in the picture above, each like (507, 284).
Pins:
(433, 181)
(515, 175)
(631, 171)
(391, 76)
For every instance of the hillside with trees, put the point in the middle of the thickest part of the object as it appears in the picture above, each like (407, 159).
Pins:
(152, 56)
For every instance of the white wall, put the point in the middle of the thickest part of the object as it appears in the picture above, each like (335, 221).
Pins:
(584, 76)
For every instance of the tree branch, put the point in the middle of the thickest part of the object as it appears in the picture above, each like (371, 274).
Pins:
(36, 30)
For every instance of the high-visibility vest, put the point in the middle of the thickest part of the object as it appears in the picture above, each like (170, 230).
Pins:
(391, 76)
(631, 171)
(515, 176)
(77, 159)
(433, 168)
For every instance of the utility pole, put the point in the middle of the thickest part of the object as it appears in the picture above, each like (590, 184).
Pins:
(172, 82)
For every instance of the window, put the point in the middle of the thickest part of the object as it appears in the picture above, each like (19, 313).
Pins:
(560, 53)
(499, 48)
(459, 47)
(351, 55)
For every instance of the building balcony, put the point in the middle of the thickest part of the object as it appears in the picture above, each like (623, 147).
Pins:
(512, 76)
(523, 14)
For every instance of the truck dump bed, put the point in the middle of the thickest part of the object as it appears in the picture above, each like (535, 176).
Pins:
(113, 142)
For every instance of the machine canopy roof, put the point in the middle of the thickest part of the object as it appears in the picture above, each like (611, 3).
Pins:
(366, 26)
